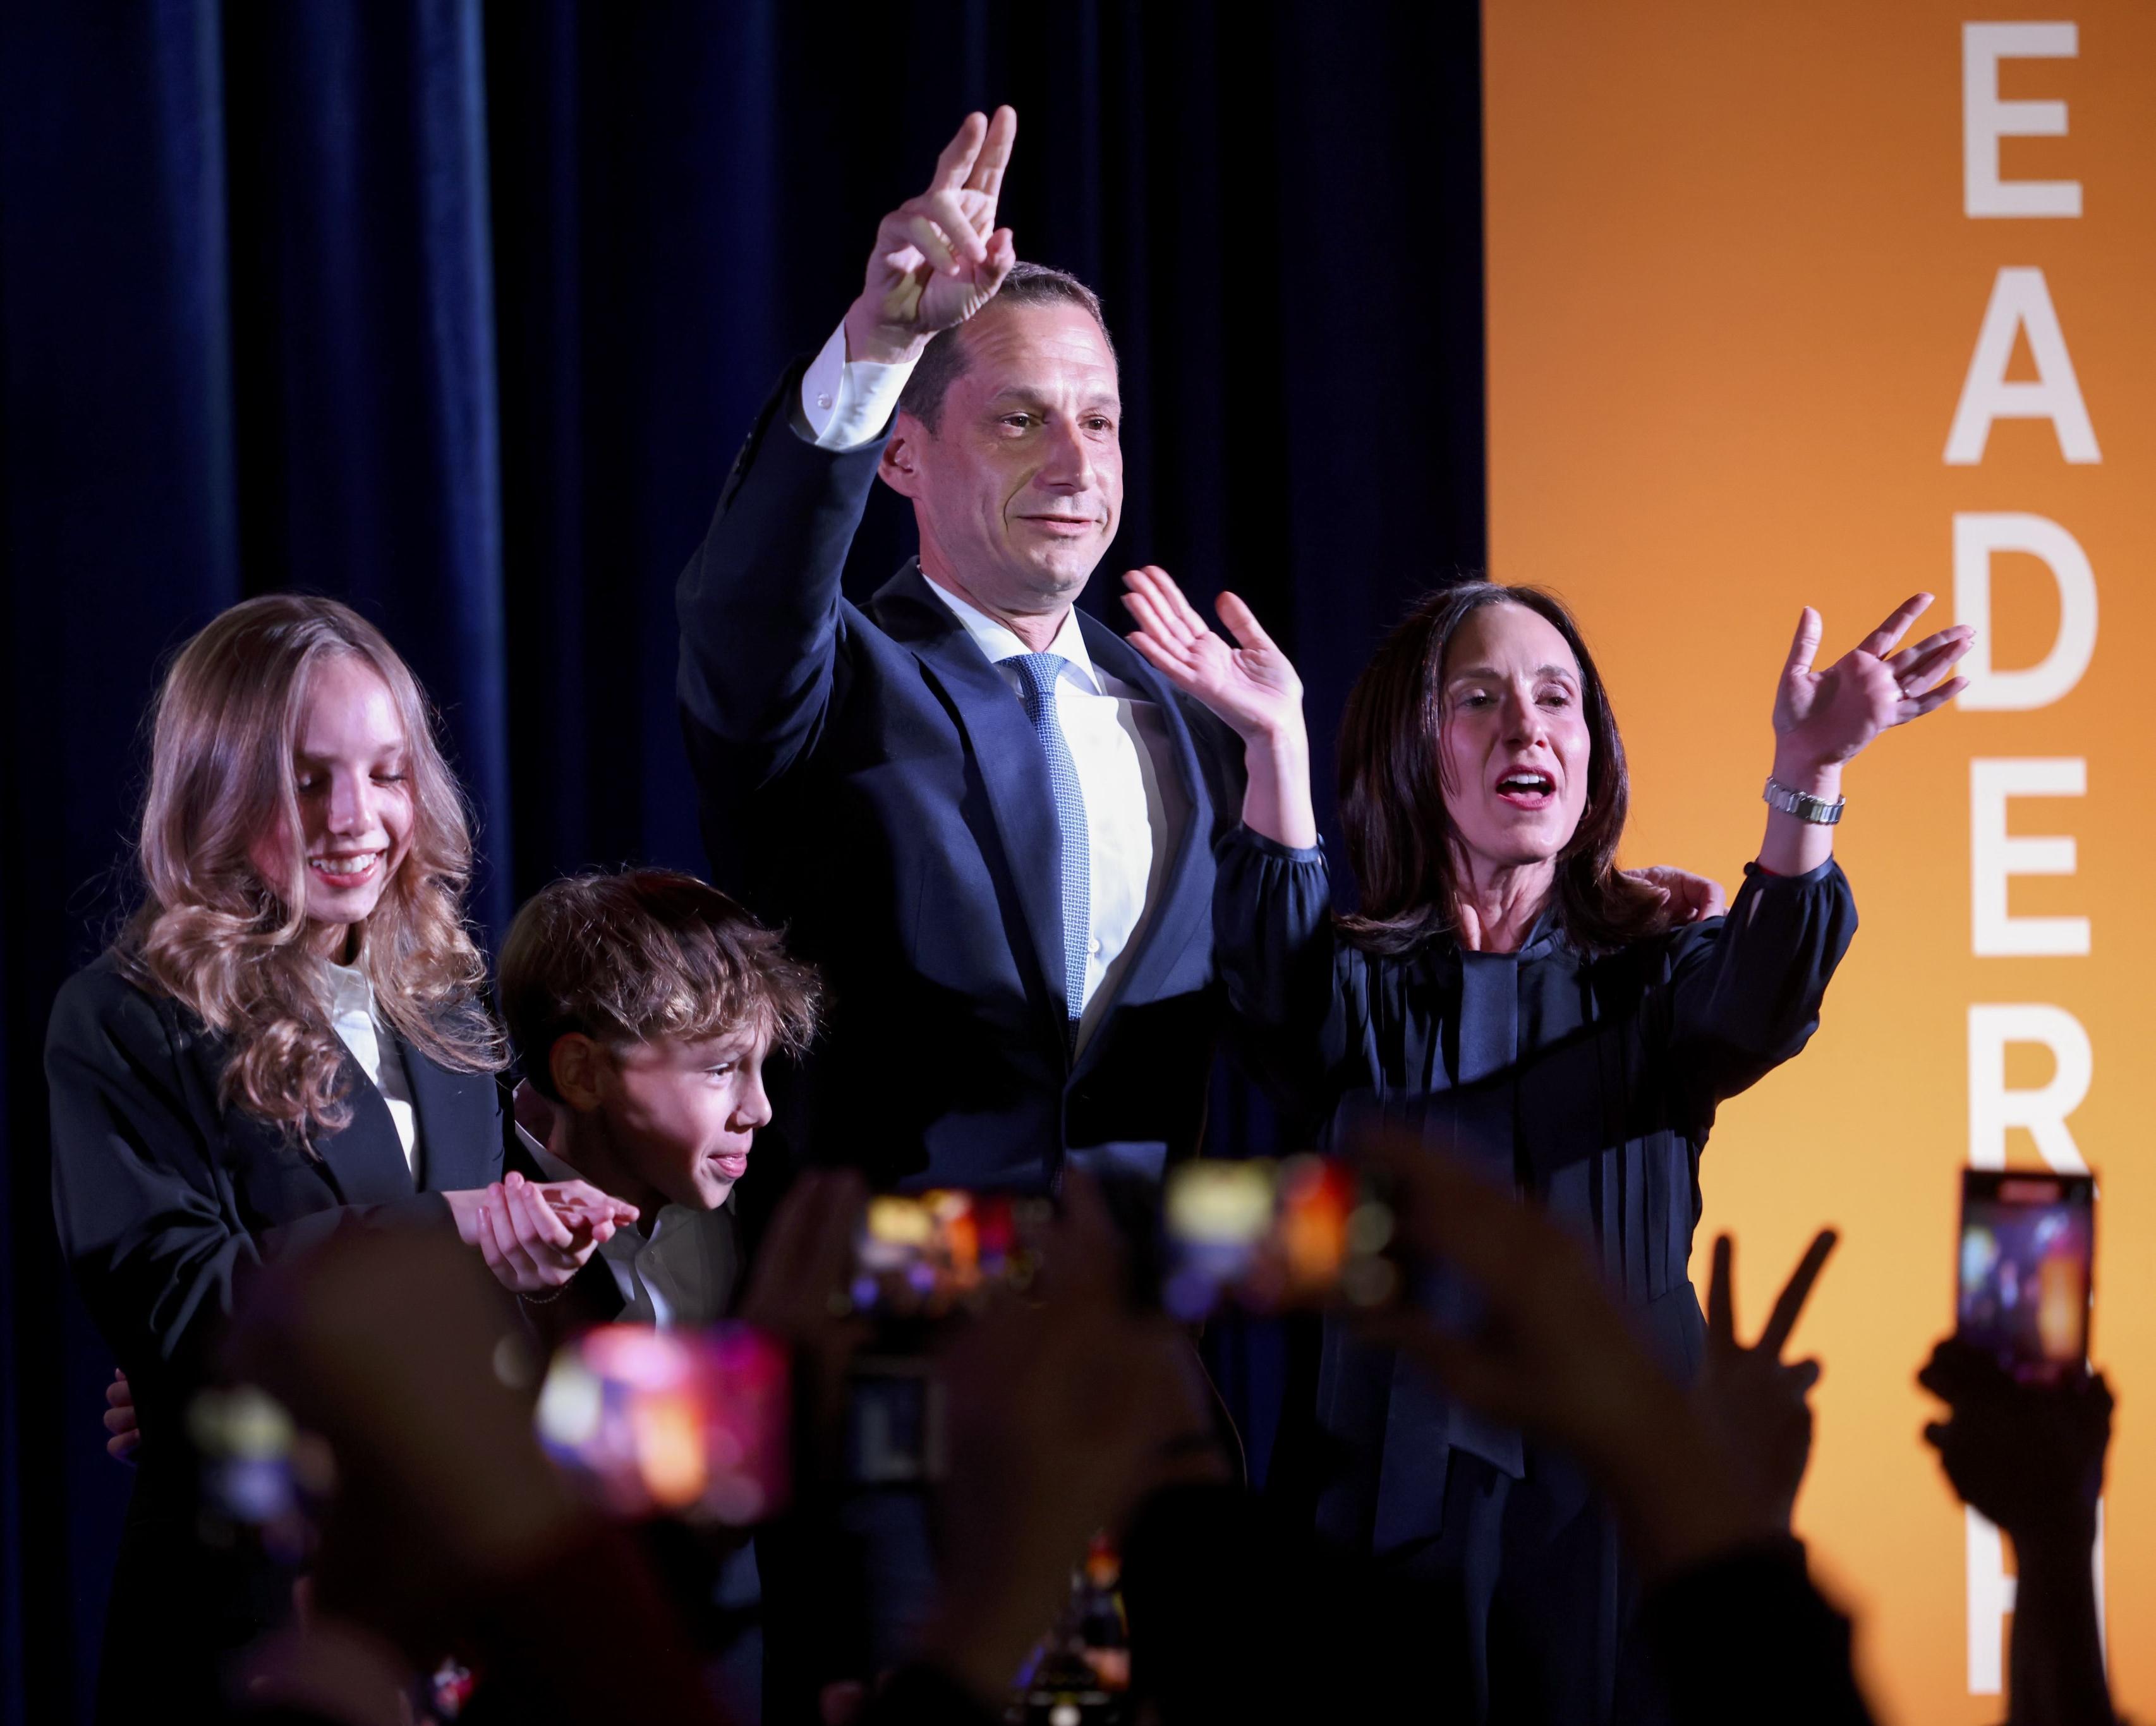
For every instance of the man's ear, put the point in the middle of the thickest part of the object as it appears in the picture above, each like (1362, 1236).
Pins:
(900, 466)
(573, 1064)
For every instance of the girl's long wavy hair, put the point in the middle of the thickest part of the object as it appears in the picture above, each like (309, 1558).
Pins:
(217, 937)
(1400, 837)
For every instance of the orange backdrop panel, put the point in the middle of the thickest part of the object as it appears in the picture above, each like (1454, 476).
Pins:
(1732, 299)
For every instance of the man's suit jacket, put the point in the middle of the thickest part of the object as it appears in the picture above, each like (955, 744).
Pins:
(166, 1202)
(869, 780)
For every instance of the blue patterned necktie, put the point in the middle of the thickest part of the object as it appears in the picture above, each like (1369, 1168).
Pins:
(1038, 673)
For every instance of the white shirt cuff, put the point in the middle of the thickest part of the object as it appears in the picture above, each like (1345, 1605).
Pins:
(847, 404)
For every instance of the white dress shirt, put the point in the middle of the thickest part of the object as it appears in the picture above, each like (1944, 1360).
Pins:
(846, 403)
(1136, 802)
(682, 1273)
(352, 1016)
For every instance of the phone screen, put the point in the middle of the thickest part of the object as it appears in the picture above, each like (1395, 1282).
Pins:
(923, 1255)
(2028, 1248)
(1271, 1236)
(687, 1422)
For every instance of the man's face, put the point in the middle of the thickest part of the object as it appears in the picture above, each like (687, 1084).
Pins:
(681, 1113)
(1018, 492)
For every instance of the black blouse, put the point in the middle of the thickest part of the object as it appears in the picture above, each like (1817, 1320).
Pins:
(1590, 1080)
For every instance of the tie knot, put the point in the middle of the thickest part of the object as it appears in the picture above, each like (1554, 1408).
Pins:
(1040, 670)
(1040, 673)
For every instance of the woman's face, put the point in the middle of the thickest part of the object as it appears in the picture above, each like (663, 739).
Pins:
(351, 768)
(1512, 743)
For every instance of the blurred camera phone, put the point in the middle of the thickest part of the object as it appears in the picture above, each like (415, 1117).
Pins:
(2027, 1272)
(1302, 1231)
(691, 1423)
(924, 1256)
(919, 1259)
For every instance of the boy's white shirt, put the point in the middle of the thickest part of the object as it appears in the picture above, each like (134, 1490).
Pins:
(682, 1274)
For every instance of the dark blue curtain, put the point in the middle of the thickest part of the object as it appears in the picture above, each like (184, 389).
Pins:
(458, 311)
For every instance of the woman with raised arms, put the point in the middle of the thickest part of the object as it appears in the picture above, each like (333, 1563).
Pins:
(289, 1038)
(1503, 986)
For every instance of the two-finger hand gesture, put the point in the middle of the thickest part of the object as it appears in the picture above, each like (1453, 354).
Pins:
(938, 258)
(1754, 1403)
(1251, 685)
(1823, 718)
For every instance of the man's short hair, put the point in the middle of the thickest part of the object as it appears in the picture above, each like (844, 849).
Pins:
(943, 361)
(647, 952)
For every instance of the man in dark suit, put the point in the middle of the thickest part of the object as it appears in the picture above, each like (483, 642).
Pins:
(987, 819)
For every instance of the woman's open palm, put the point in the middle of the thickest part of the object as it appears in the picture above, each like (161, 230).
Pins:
(1251, 685)
(1829, 716)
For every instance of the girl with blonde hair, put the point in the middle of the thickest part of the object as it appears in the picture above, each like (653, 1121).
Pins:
(289, 1039)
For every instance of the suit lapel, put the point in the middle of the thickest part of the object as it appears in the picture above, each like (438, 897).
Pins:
(1186, 891)
(458, 1121)
(366, 1158)
(1014, 772)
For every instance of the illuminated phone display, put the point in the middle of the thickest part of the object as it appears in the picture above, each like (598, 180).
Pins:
(2026, 1282)
(927, 1254)
(691, 1423)
(1271, 1236)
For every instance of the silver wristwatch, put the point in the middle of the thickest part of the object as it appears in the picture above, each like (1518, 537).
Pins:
(1818, 810)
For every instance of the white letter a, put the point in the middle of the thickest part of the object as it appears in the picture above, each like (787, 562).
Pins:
(2020, 301)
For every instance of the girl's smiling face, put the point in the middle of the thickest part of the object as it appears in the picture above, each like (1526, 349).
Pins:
(351, 769)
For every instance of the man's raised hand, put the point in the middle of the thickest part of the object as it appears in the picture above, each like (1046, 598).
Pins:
(938, 258)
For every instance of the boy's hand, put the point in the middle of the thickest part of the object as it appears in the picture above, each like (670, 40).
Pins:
(584, 1208)
(537, 1235)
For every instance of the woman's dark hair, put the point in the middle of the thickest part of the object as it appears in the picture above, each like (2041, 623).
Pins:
(1401, 841)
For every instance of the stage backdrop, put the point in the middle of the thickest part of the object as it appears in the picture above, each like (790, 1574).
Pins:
(1824, 303)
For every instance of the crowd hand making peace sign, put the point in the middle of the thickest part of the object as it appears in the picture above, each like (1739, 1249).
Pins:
(1756, 1405)
(938, 258)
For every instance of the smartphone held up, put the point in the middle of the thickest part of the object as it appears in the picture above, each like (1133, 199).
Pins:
(2027, 1269)
(689, 1423)
(1306, 1231)
(928, 1255)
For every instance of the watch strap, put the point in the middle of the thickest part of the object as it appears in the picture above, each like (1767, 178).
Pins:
(1819, 812)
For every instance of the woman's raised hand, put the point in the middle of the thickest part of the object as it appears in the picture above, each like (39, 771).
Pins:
(1251, 685)
(1823, 718)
